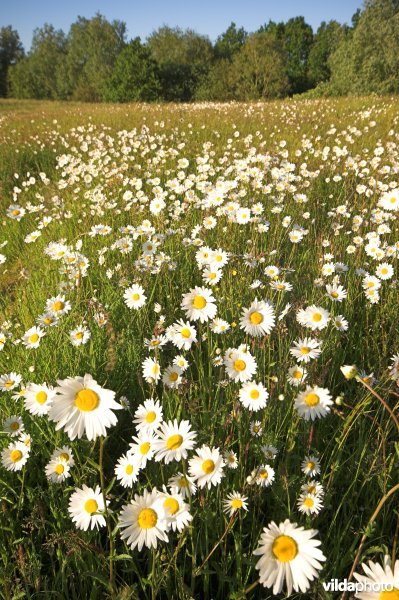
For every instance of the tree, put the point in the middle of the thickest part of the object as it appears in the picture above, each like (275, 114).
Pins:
(41, 74)
(93, 48)
(325, 42)
(296, 38)
(258, 70)
(230, 42)
(367, 60)
(183, 58)
(11, 51)
(135, 76)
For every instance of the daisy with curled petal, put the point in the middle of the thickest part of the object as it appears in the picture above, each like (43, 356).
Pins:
(264, 476)
(151, 370)
(144, 521)
(148, 416)
(86, 506)
(206, 467)
(234, 502)
(183, 484)
(175, 439)
(288, 555)
(259, 319)
(177, 511)
(81, 406)
(385, 576)
(313, 487)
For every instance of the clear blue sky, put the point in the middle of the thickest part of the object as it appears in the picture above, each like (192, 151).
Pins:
(210, 17)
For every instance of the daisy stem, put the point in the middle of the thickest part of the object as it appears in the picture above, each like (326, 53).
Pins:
(22, 491)
(228, 526)
(251, 587)
(365, 535)
(388, 408)
(111, 542)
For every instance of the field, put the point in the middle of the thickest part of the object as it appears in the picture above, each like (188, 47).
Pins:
(180, 287)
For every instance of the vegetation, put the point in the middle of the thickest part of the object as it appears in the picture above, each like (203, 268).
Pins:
(94, 61)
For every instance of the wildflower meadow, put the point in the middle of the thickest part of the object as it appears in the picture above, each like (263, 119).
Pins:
(199, 350)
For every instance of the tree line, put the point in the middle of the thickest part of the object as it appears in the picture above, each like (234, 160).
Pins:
(95, 62)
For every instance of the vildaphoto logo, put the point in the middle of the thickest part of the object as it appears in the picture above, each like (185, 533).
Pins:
(343, 585)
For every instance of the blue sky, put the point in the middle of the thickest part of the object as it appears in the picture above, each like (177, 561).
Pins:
(210, 17)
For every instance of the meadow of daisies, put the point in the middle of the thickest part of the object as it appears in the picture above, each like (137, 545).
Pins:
(199, 340)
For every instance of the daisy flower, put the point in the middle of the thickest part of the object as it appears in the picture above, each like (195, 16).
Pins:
(148, 416)
(384, 271)
(219, 326)
(58, 306)
(296, 375)
(38, 398)
(234, 502)
(288, 554)
(253, 396)
(32, 337)
(313, 317)
(143, 447)
(255, 428)
(269, 452)
(313, 403)
(127, 469)
(13, 425)
(240, 366)
(184, 335)
(309, 504)
(9, 381)
(144, 521)
(82, 406)
(172, 377)
(385, 576)
(336, 293)
(230, 458)
(390, 200)
(310, 466)
(86, 507)
(183, 484)
(79, 336)
(14, 457)
(134, 296)
(151, 370)
(57, 470)
(306, 349)
(264, 476)
(206, 467)
(174, 441)
(258, 319)
(64, 453)
(177, 511)
(313, 487)
(199, 304)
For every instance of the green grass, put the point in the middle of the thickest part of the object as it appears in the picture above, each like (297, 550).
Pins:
(43, 554)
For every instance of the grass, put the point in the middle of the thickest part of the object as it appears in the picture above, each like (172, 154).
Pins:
(42, 552)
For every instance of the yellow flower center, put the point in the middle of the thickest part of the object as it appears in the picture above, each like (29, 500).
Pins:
(58, 305)
(317, 317)
(334, 294)
(59, 469)
(312, 399)
(16, 455)
(311, 489)
(14, 426)
(297, 375)
(79, 335)
(236, 503)
(185, 332)
(9, 383)
(208, 466)
(263, 474)
(47, 320)
(391, 200)
(91, 506)
(87, 400)
(15, 212)
(390, 595)
(136, 297)
(173, 376)
(305, 350)
(310, 465)
(212, 275)
(174, 442)
(384, 271)
(150, 416)
(284, 548)
(309, 502)
(183, 482)
(172, 505)
(33, 338)
(144, 448)
(254, 394)
(41, 397)
(239, 365)
(64, 456)
(256, 318)
(199, 302)
(147, 518)
(129, 469)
